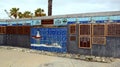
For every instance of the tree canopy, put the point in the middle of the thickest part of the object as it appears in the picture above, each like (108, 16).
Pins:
(26, 14)
(14, 12)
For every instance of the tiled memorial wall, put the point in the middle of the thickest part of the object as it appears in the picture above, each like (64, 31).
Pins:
(84, 35)
(94, 33)
(98, 34)
(113, 29)
(51, 39)
(94, 39)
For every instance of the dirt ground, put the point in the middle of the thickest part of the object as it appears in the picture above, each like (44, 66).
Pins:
(12, 58)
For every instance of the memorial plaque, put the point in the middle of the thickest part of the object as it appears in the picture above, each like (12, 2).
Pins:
(98, 30)
(85, 29)
(72, 29)
(72, 38)
(99, 40)
(47, 21)
(113, 29)
(84, 42)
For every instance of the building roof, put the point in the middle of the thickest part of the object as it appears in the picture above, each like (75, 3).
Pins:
(94, 14)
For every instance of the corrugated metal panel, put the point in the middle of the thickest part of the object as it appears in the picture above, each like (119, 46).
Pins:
(18, 40)
(99, 50)
(2, 39)
(113, 47)
(23, 41)
(11, 40)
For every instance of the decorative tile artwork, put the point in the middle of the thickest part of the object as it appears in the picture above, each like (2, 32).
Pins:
(49, 39)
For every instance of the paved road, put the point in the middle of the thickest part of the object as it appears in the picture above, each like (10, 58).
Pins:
(13, 58)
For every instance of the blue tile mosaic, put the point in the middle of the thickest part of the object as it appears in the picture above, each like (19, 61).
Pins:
(52, 39)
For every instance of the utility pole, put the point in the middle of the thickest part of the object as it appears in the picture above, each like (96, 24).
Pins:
(49, 7)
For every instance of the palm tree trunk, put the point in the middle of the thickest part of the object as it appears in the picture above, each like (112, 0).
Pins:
(49, 7)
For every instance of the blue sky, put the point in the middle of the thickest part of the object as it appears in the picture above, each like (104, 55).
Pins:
(60, 7)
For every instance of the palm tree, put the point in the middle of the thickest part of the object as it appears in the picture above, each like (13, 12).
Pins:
(14, 12)
(39, 12)
(27, 14)
(43, 14)
(49, 7)
(20, 15)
